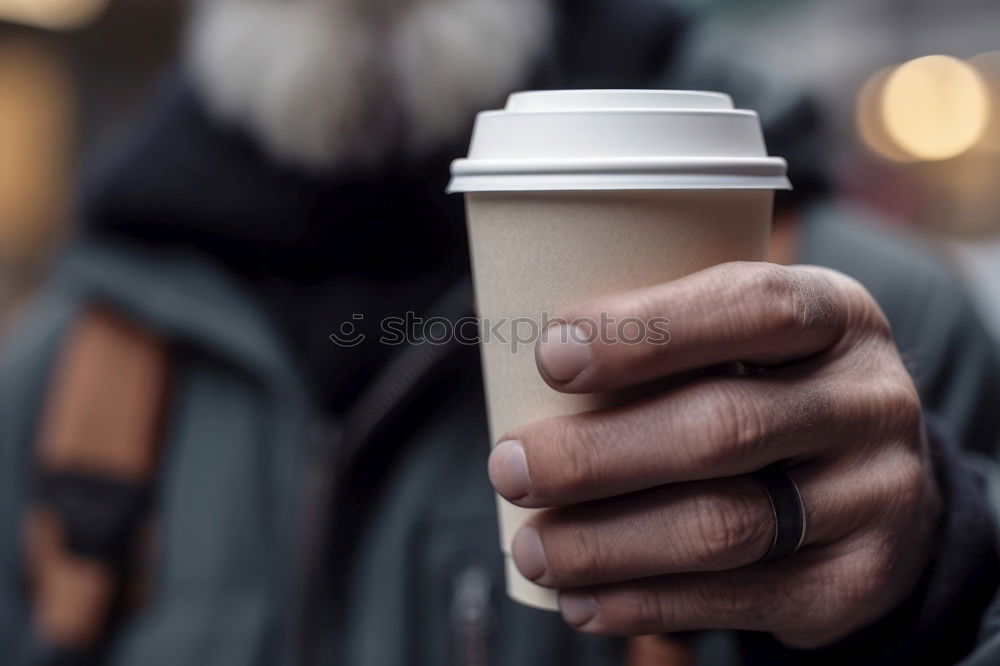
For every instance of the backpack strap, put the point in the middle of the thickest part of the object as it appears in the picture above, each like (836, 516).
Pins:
(660, 651)
(96, 461)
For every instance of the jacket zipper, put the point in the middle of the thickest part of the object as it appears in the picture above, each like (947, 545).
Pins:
(472, 616)
(386, 394)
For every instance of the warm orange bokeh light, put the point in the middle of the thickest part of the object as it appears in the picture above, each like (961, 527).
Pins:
(36, 111)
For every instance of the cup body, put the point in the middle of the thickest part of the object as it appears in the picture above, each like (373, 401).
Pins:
(535, 253)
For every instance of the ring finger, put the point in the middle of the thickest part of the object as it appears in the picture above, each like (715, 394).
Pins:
(701, 526)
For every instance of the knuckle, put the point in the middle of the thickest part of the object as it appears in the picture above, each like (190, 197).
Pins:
(728, 531)
(862, 580)
(841, 595)
(904, 411)
(640, 609)
(874, 319)
(911, 479)
(652, 611)
(904, 486)
(894, 409)
(735, 430)
(855, 590)
(575, 557)
(880, 568)
(774, 285)
(818, 308)
(810, 407)
(804, 303)
(574, 450)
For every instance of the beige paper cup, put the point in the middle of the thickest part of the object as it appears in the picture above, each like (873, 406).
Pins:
(575, 195)
(536, 253)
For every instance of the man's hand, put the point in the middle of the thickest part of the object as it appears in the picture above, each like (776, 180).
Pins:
(655, 525)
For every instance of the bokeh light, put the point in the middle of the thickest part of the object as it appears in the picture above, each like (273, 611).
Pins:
(36, 110)
(869, 117)
(935, 107)
(988, 66)
(51, 14)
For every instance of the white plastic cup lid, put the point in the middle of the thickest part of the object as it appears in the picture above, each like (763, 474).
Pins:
(617, 140)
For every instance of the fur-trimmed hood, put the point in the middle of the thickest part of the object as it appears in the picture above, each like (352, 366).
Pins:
(322, 83)
(206, 171)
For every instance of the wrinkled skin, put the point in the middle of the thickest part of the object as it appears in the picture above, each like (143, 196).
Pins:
(654, 525)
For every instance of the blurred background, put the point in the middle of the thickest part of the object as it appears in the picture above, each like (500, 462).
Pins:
(73, 74)
(910, 89)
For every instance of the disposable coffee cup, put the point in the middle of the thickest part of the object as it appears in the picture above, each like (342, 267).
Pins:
(571, 195)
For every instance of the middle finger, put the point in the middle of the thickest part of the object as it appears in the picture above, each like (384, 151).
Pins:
(707, 429)
(699, 526)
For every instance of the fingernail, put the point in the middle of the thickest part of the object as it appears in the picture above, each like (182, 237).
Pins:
(578, 608)
(529, 554)
(564, 352)
(508, 468)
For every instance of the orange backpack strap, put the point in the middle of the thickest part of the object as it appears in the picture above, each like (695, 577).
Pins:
(96, 460)
(659, 651)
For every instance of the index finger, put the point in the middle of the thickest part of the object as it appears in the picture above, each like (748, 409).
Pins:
(750, 312)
